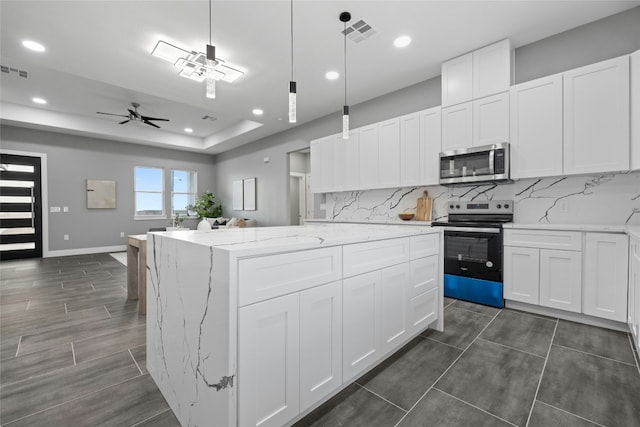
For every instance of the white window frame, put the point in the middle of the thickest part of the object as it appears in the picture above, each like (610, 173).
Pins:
(194, 193)
(135, 193)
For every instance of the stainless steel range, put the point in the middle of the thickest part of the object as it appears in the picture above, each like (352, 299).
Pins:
(473, 250)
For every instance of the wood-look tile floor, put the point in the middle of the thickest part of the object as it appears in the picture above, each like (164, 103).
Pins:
(72, 353)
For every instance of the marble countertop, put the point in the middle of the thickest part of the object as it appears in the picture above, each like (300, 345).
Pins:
(610, 228)
(263, 240)
(373, 221)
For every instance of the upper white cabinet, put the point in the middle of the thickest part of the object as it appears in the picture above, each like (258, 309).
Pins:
(410, 159)
(596, 117)
(322, 164)
(368, 157)
(346, 162)
(389, 157)
(457, 126)
(430, 145)
(491, 119)
(635, 110)
(536, 128)
(477, 74)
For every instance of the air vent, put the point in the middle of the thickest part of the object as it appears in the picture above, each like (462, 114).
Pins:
(11, 70)
(210, 118)
(359, 31)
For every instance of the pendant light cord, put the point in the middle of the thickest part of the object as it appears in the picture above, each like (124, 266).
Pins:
(345, 62)
(209, 21)
(291, 40)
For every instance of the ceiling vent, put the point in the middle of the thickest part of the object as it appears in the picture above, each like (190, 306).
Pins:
(210, 118)
(10, 70)
(359, 31)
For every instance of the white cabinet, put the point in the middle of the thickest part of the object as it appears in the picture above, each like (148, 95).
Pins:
(322, 165)
(522, 274)
(361, 323)
(320, 342)
(633, 316)
(491, 120)
(422, 293)
(430, 145)
(268, 360)
(457, 126)
(596, 117)
(477, 74)
(606, 275)
(346, 162)
(393, 306)
(389, 149)
(368, 157)
(536, 128)
(561, 279)
(410, 141)
(635, 110)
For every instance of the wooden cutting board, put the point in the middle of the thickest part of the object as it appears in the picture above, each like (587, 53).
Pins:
(423, 210)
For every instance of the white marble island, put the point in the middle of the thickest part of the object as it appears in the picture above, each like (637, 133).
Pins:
(258, 326)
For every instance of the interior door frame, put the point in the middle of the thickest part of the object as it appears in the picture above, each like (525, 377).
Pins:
(44, 214)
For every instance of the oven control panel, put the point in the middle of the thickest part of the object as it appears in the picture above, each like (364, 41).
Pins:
(483, 207)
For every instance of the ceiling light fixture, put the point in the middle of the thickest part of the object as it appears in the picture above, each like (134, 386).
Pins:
(332, 75)
(41, 101)
(35, 46)
(257, 112)
(292, 83)
(402, 41)
(188, 130)
(344, 18)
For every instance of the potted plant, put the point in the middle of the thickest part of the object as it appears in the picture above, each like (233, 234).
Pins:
(178, 220)
(205, 207)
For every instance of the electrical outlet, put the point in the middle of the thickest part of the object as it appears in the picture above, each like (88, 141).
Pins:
(122, 234)
(54, 209)
(65, 209)
(65, 237)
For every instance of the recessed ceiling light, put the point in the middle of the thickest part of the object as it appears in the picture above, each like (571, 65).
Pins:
(188, 130)
(257, 112)
(35, 46)
(39, 100)
(402, 41)
(332, 75)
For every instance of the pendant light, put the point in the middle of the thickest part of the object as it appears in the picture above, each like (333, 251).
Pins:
(211, 64)
(292, 83)
(344, 18)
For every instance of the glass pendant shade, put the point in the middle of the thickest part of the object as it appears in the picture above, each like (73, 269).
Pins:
(211, 64)
(292, 102)
(345, 122)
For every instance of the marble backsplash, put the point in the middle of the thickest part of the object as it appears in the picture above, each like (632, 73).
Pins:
(589, 199)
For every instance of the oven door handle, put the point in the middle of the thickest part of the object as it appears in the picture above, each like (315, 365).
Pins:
(473, 229)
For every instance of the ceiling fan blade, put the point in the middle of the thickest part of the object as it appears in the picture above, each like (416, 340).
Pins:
(153, 118)
(151, 124)
(126, 121)
(133, 113)
(110, 114)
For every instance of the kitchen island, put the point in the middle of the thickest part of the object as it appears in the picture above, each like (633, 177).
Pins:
(259, 326)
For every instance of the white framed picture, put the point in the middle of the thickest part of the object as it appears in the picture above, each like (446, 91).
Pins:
(238, 195)
(249, 190)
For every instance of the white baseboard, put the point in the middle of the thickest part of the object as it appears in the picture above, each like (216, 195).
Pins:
(85, 251)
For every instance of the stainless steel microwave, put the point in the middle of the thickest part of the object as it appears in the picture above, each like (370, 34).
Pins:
(489, 163)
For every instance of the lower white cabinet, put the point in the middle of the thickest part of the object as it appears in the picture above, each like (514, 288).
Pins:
(268, 360)
(393, 306)
(633, 305)
(561, 279)
(606, 270)
(522, 274)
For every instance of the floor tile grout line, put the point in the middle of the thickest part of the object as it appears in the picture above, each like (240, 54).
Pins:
(474, 312)
(446, 370)
(28, 304)
(381, 397)
(73, 353)
(544, 366)
(18, 348)
(597, 355)
(477, 407)
(513, 348)
(150, 418)
(444, 343)
(71, 400)
(135, 361)
(105, 307)
(93, 287)
(65, 309)
(635, 356)
(571, 413)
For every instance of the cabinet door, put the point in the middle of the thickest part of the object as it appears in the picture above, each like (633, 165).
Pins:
(339, 160)
(268, 362)
(596, 117)
(322, 165)
(368, 156)
(491, 119)
(320, 342)
(430, 145)
(394, 284)
(634, 259)
(389, 148)
(361, 323)
(606, 274)
(635, 110)
(561, 279)
(423, 275)
(352, 161)
(423, 309)
(410, 150)
(457, 80)
(457, 127)
(536, 128)
(492, 69)
(521, 274)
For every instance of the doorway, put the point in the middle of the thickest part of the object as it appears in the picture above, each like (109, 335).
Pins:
(301, 205)
(20, 206)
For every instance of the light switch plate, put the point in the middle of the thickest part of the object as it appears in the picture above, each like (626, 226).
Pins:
(65, 209)
(54, 209)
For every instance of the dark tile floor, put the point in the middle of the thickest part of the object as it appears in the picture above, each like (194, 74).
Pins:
(72, 352)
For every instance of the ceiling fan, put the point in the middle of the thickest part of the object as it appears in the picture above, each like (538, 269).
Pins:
(135, 116)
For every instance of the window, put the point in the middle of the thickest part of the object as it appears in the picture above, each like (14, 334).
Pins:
(149, 192)
(184, 186)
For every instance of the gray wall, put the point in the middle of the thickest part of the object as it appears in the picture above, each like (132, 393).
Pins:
(607, 38)
(72, 159)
